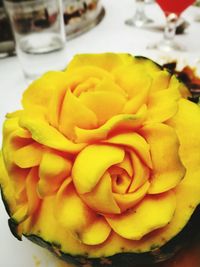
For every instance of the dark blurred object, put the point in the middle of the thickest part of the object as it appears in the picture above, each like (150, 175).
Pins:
(182, 26)
(189, 77)
(197, 3)
(81, 15)
(6, 37)
(33, 20)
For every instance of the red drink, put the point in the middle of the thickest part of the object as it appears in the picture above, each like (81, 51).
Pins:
(174, 6)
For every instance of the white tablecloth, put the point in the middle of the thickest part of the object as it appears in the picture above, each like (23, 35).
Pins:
(110, 35)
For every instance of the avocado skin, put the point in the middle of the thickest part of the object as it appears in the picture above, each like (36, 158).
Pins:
(13, 228)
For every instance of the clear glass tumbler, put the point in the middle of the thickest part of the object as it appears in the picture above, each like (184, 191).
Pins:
(39, 33)
(6, 37)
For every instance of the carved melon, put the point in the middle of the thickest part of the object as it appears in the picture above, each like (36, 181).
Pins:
(102, 164)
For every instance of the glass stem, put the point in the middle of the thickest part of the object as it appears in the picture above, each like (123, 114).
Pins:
(140, 9)
(170, 28)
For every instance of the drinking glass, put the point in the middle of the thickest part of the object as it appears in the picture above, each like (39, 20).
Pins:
(149, 1)
(140, 18)
(39, 33)
(6, 37)
(172, 10)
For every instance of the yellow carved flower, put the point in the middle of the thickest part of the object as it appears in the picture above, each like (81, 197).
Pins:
(103, 157)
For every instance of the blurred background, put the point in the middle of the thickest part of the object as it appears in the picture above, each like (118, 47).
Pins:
(80, 16)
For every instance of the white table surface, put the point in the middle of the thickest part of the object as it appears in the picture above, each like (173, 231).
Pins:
(110, 35)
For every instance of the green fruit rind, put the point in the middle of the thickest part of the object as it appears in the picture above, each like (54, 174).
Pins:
(155, 254)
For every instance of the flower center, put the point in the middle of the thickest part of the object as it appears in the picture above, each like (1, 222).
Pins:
(120, 180)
